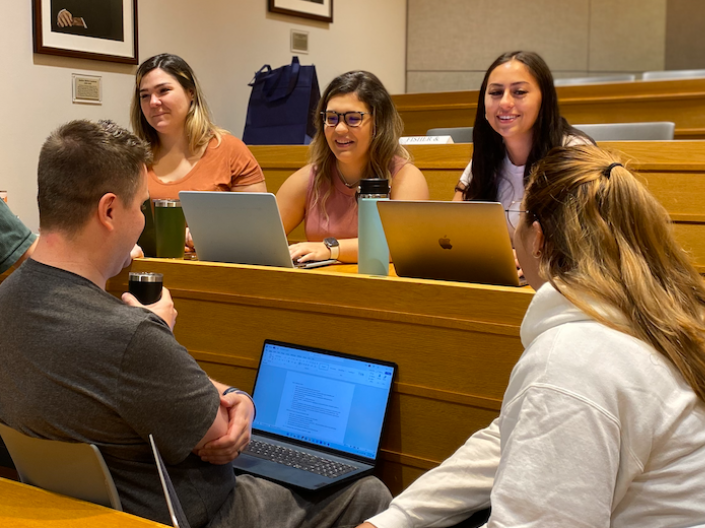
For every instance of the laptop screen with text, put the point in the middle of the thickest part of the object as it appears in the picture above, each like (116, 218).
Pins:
(326, 400)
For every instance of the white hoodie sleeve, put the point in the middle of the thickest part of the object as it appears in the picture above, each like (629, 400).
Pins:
(451, 492)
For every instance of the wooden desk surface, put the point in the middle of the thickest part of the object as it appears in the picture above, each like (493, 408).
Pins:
(455, 343)
(23, 506)
(674, 171)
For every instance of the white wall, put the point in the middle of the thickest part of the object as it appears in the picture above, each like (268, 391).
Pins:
(452, 42)
(225, 41)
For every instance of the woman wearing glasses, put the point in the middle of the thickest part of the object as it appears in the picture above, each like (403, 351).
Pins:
(603, 420)
(516, 124)
(357, 137)
(190, 152)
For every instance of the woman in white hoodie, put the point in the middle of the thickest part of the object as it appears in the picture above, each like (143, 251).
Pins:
(603, 421)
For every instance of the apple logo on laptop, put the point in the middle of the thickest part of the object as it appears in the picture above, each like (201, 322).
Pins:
(445, 243)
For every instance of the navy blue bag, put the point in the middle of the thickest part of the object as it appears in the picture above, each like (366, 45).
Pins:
(282, 105)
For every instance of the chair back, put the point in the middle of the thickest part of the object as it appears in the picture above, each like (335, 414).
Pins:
(654, 131)
(594, 80)
(673, 74)
(74, 469)
(459, 134)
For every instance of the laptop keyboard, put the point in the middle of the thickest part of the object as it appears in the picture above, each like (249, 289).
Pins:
(298, 459)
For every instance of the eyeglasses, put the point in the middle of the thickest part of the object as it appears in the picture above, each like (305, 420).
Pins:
(352, 119)
(514, 212)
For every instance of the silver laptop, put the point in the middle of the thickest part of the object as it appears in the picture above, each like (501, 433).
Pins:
(319, 418)
(458, 241)
(173, 504)
(239, 228)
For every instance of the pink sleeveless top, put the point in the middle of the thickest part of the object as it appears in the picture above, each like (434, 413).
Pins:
(341, 206)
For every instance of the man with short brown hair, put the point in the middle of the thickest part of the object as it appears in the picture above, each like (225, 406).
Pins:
(81, 365)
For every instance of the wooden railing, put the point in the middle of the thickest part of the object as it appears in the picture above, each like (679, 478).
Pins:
(674, 171)
(680, 101)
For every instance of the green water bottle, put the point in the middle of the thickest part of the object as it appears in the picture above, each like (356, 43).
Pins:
(170, 228)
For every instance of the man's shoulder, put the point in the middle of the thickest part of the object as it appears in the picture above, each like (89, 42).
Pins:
(43, 290)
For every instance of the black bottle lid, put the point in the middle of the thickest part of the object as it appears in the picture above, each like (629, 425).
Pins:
(374, 187)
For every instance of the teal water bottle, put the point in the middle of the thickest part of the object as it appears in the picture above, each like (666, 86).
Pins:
(373, 252)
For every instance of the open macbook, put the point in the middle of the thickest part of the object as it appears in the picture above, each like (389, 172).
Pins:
(319, 416)
(458, 241)
(239, 228)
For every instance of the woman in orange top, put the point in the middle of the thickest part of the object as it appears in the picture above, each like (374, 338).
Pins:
(190, 152)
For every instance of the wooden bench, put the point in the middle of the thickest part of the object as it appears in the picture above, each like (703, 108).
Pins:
(680, 101)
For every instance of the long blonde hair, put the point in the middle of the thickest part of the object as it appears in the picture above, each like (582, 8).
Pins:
(387, 129)
(607, 238)
(199, 127)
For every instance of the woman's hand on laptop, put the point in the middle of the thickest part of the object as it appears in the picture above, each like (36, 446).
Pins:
(307, 251)
(520, 272)
(241, 412)
(189, 241)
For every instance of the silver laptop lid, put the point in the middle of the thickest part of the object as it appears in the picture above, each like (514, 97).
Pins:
(239, 228)
(176, 512)
(459, 241)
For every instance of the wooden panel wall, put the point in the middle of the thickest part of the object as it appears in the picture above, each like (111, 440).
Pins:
(680, 101)
(455, 344)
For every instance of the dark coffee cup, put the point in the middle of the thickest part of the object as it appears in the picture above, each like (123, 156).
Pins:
(145, 286)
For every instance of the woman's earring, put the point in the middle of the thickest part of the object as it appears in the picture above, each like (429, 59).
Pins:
(537, 253)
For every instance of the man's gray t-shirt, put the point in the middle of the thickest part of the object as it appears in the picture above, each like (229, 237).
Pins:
(78, 364)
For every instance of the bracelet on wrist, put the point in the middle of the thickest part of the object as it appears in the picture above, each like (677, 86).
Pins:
(231, 390)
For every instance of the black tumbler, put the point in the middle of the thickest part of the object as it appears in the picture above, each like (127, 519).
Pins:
(145, 286)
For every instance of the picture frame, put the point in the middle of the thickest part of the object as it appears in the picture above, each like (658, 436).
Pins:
(87, 29)
(312, 9)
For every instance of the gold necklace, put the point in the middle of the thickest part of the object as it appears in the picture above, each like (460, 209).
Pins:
(342, 178)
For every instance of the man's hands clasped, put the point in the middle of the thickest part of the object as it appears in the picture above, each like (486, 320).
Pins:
(241, 413)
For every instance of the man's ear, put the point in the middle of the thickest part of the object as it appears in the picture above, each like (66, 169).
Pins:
(106, 210)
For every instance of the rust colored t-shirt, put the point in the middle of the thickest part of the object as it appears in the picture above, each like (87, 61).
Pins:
(222, 166)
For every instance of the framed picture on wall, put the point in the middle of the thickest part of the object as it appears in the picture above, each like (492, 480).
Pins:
(87, 29)
(313, 9)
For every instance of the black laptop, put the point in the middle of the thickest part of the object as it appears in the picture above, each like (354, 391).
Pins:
(319, 418)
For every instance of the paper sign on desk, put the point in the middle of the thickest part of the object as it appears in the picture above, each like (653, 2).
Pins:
(425, 140)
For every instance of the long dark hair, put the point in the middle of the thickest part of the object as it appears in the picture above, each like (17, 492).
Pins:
(488, 147)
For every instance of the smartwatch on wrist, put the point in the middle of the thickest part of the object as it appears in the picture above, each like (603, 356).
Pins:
(333, 246)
